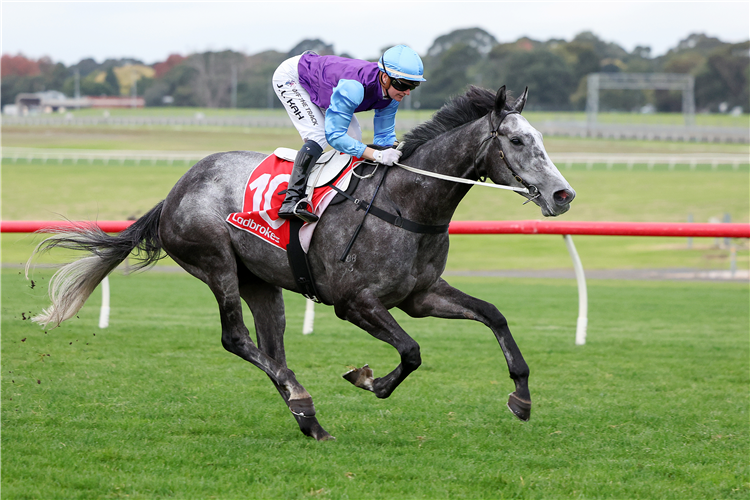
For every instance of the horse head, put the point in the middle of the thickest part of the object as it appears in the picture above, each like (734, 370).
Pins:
(517, 157)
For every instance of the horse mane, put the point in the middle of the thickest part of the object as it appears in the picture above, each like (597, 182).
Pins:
(460, 110)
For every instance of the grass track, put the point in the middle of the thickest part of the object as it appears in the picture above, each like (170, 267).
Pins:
(654, 406)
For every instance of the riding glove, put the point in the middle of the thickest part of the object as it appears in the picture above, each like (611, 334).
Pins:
(387, 156)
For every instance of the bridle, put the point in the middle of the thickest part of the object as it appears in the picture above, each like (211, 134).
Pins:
(495, 134)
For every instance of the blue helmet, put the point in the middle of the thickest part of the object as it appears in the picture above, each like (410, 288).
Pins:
(402, 63)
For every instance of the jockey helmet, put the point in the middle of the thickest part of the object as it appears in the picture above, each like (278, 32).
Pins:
(402, 63)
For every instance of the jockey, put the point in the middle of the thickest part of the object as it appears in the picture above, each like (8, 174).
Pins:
(321, 95)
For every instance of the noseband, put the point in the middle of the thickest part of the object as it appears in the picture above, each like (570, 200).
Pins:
(495, 134)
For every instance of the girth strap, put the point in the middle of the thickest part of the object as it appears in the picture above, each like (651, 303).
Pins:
(396, 220)
(299, 263)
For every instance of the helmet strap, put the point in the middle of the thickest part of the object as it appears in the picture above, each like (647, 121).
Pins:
(387, 83)
(385, 72)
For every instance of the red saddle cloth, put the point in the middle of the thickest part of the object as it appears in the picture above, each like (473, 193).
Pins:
(260, 209)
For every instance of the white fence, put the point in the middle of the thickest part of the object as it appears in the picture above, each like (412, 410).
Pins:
(567, 160)
(103, 156)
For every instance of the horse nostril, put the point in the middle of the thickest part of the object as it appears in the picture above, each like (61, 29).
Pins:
(564, 196)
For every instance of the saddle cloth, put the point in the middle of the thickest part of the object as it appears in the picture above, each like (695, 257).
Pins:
(263, 197)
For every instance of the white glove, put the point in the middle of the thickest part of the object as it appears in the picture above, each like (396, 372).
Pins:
(387, 156)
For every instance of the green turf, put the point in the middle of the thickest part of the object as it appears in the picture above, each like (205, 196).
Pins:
(654, 406)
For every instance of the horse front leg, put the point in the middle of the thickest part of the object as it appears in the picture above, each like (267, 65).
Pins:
(443, 301)
(368, 313)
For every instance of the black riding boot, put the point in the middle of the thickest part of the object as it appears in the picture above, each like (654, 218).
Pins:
(306, 157)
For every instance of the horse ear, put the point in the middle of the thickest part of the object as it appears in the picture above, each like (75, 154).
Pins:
(521, 101)
(500, 99)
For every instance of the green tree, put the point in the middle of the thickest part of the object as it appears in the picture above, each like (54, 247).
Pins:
(476, 38)
(724, 78)
(449, 77)
(549, 78)
(604, 50)
(11, 86)
(154, 95)
(316, 45)
(720, 71)
(179, 80)
(54, 74)
(254, 89)
(212, 79)
(111, 80)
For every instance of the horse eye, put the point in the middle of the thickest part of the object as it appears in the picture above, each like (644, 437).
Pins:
(516, 141)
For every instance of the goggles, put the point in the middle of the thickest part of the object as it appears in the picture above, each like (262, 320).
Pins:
(403, 85)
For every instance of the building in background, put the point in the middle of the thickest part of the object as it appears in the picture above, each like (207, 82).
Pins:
(52, 101)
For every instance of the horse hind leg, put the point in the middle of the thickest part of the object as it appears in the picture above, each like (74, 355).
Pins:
(207, 255)
(267, 306)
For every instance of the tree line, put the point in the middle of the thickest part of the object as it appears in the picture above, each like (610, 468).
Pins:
(554, 70)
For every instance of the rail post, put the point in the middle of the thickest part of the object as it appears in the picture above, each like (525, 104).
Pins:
(309, 321)
(583, 297)
(104, 311)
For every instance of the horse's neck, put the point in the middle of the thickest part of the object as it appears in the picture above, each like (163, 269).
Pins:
(432, 200)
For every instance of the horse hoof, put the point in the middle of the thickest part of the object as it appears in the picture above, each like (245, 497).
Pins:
(361, 377)
(520, 407)
(311, 427)
(302, 407)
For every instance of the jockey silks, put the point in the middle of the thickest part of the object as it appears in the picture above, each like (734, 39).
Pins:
(319, 75)
(322, 93)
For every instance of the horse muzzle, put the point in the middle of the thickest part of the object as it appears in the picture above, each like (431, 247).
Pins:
(557, 204)
(563, 198)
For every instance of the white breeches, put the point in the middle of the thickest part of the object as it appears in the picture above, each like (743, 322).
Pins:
(308, 119)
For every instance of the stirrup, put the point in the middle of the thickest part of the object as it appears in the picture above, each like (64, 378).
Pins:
(304, 214)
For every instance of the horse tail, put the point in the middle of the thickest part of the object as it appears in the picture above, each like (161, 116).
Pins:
(71, 285)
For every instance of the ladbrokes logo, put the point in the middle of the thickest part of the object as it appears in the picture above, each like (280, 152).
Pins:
(254, 227)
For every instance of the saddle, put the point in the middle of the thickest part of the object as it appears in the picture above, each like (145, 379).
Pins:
(326, 168)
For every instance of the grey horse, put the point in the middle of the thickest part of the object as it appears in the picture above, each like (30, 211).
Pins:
(476, 135)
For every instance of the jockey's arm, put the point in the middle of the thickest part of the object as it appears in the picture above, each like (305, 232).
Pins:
(384, 123)
(346, 96)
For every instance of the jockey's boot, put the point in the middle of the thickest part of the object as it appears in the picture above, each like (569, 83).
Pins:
(305, 159)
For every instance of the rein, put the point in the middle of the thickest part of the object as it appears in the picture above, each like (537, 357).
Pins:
(460, 180)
